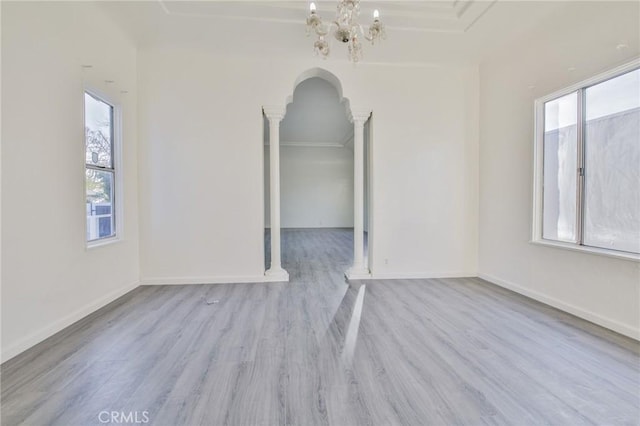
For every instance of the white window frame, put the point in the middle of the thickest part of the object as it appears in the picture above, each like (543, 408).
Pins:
(538, 169)
(118, 193)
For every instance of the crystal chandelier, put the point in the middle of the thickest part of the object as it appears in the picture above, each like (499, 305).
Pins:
(345, 29)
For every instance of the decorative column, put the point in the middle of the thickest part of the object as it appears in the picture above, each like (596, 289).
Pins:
(358, 271)
(275, 114)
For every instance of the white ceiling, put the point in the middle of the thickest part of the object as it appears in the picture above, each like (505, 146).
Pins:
(434, 16)
(316, 117)
(419, 31)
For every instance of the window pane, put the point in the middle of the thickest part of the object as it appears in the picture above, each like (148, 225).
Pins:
(560, 164)
(98, 125)
(100, 213)
(612, 164)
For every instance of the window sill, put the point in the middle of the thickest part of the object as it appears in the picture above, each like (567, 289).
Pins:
(588, 250)
(102, 242)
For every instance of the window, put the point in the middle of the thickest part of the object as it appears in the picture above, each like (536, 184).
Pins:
(100, 169)
(588, 165)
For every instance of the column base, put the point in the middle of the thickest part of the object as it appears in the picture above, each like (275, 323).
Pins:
(276, 275)
(358, 273)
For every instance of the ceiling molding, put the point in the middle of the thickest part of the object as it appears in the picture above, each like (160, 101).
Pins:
(310, 144)
(454, 17)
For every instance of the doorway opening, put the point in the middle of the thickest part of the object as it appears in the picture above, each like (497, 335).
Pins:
(317, 181)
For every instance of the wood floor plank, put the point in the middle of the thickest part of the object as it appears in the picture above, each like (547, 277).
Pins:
(320, 351)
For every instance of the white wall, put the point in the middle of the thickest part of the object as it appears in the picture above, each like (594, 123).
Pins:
(602, 289)
(49, 278)
(316, 187)
(201, 163)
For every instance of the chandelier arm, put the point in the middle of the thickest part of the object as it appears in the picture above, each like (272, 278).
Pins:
(323, 30)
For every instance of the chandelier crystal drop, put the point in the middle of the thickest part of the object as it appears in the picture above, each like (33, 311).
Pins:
(346, 29)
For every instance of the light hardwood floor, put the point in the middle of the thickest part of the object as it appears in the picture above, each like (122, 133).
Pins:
(320, 351)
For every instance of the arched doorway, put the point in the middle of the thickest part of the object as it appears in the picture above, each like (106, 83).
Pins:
(274, 115)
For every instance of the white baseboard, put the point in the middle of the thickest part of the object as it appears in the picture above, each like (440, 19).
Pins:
(357, 274)
(609, 323)
(234, 279)
(419, 275)
(51, 329)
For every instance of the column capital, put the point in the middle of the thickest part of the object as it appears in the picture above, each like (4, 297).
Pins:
(274, 112)
(359, 115)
